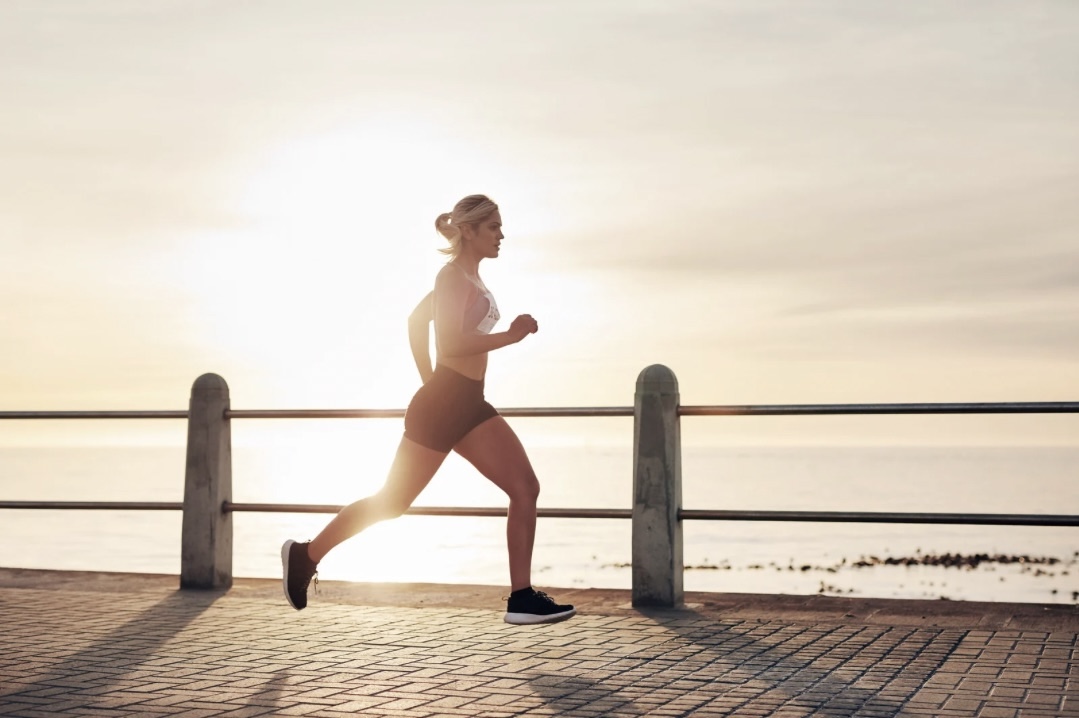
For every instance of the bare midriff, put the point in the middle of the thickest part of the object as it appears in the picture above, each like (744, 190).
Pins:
(473, 366)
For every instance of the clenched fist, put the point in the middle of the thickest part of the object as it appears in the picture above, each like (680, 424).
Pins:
(522, 326)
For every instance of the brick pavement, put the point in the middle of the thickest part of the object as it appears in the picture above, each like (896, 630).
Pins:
(245, 653)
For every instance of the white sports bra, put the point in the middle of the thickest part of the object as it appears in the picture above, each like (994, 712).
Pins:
(482, 313)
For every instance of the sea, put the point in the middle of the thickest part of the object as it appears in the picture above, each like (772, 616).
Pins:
(320, 464)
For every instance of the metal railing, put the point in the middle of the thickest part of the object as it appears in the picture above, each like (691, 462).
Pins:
(1057, 407)
(657, 462)
(1028, 407)
(864, 517)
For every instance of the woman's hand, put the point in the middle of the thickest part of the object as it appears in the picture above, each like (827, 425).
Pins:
(521, 327)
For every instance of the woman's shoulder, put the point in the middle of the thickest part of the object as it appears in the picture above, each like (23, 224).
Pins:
(448, 273)
(452, 277)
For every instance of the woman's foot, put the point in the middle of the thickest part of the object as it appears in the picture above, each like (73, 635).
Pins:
(528, 606)
(297, 571)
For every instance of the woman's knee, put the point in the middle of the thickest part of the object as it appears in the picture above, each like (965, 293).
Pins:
(526, 489)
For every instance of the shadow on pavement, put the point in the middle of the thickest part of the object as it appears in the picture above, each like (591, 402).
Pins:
(695, 662)
(273, 691)
(78, 679)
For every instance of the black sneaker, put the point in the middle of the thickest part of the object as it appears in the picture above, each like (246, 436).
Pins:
(298, 570)
(535, 607)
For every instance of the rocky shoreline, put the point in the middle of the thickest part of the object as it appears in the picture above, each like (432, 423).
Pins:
(1049, 568)
(946, 560)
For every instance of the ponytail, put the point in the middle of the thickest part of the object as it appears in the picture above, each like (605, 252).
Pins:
(470, 210)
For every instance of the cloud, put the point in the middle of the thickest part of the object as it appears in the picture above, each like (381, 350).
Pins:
(868, 177)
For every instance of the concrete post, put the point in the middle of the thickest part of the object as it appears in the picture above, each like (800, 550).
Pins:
(657, 490)
(206, 545)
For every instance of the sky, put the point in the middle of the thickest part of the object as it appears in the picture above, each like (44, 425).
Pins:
(784, 202)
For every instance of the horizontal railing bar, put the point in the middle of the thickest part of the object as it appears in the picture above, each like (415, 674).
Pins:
(883, 517)
(1040, 407)
(577, 513)
(558, 411)
(492, 512)
(96, 505)
(178, 414)
(314, 413)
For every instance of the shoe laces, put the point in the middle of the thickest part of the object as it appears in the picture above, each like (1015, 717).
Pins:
(540, 595)
(314, 573)
(312, 580)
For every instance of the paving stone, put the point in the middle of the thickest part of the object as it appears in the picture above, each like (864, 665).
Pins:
(71, 652)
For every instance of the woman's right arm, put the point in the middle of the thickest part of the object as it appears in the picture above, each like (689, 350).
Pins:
(419, 335)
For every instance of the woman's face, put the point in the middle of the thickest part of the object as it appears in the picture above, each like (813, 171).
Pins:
(484, 238)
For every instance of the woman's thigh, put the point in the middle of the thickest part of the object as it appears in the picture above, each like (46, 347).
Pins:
(496, 452)
(413, 468)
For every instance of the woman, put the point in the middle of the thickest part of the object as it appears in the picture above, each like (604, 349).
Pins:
(449, 413)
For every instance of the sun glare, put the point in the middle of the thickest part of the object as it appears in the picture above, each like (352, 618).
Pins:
(335, 245)
(305, 299)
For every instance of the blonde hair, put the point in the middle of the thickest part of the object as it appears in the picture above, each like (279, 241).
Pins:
(473, 209)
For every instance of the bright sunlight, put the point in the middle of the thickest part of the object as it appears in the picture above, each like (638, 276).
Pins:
(335, 244)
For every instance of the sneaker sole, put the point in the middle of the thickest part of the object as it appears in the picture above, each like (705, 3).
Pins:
(530, 619)
(284, 572)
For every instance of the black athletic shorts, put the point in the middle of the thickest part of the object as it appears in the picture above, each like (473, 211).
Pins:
(446, 408)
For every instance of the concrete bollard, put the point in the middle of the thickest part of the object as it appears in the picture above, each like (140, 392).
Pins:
(657, 490)
(206, 544)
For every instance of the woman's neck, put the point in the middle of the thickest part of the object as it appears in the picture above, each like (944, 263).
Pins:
(468, 265)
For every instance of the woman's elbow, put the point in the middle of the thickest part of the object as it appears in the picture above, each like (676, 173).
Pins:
(417, 323)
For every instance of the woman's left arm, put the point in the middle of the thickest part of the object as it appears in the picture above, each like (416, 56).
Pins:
(419, 335)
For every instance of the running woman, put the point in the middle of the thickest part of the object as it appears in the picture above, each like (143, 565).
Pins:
(449, 413)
